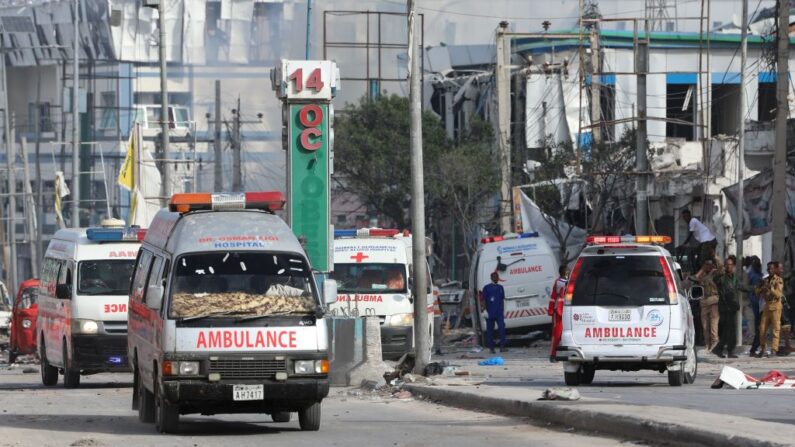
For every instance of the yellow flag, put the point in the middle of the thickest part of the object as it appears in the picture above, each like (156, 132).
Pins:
(126, 174)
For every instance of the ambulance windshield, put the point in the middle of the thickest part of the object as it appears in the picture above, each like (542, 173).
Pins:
(241, 284)
(370, 278)
(104, 277)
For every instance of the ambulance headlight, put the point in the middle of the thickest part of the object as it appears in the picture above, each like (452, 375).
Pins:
(304, 366)
(188, 368)
(26, 323)
(399, 320)
(84, 326)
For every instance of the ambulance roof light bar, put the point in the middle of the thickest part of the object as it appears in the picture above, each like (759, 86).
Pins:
(507, 236)
(205, 201)
(123, 234)
(367, 232)
(601, 240)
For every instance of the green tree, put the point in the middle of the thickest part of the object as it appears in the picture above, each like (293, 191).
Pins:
(372, 153)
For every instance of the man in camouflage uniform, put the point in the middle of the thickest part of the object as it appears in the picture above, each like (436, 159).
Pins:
(772, 293)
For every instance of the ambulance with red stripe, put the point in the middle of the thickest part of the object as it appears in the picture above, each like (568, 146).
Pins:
(374, 270)
(626, 309)
(82, 317)
(527, 269)
(225, 314)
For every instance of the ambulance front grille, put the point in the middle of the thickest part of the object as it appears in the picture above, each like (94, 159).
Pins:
(247, 369)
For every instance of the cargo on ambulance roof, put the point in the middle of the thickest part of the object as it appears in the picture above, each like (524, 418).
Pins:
(82, 317)
(527, 269)
(225, 315)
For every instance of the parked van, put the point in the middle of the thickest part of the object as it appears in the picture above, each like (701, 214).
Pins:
(22, 336)
(374, 270)
(82, 315)
(527, 269)
(225, 315)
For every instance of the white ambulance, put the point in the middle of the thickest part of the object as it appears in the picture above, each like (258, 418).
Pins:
(374, 270)
(225, 315)
(82, 318)
(527, 269)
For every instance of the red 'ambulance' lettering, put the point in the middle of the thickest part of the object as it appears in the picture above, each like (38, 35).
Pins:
(115, 308)
(522, 270)
(228, 339)
(621, 332)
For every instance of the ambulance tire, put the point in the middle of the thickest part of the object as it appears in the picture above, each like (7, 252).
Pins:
(281, 416)
(309, 417)
(676, 378)
(12, 357)
(49, 373)
(166, 414)
(136, 380)
(572, 378)
(587, 374)
(146, 403)
(71, 377)
(690, 377)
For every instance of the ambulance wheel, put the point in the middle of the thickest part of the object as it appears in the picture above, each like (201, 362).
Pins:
(136, 379)
(166, 414)
(587, 374)
(572, 378)
(146, 403)
(676, 378)
(71, 377)
(49, 373)
(282, 416)
(690, 366)
(309, 417)
(12, 357)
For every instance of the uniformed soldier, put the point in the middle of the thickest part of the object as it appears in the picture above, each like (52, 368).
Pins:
(555, 309)
(772, 293)
(728, 305)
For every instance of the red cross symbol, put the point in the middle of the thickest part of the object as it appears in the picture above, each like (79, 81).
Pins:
(359, 257)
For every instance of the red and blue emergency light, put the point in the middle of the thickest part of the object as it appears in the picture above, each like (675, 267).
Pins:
(205, 201)
(127, 234)
(367, 232)
(601, 240)
(490, 239)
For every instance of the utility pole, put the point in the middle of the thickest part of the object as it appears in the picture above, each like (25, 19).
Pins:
(164, 116)
(30, 211)
(503, 125)
(596, 89)
(741, 166)
(76, 120)
(641, 162)
(421, 333)
(12, 204)
(237, 174)
(218, 167)
(308, 51)
(780, 155)
(39, 180)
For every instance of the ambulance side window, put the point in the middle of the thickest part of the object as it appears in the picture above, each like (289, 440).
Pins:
(49, 277)
(154, 273)
(65, 276)
(141, 275)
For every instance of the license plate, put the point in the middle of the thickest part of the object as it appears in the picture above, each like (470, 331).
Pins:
(523, 303)
(619, 315)
(248, 392)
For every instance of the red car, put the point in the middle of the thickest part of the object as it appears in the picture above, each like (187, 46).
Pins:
(23, 320)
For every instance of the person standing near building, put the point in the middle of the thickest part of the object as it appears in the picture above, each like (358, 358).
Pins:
(707, 244)
(555, 309)
(754, 279)
(494, 297)
(728, 305)
(708, 306)
(772, 293)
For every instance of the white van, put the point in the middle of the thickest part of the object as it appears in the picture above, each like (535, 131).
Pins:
(527, 269)
(82, 319)
(225, 315)
(373, 268)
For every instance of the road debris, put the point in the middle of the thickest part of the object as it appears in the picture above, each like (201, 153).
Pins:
(560, 394)
(494, 361)
(738, 380)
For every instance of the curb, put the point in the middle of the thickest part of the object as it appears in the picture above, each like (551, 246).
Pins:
(579, 416)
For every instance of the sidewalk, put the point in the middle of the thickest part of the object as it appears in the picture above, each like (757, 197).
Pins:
(627, 404)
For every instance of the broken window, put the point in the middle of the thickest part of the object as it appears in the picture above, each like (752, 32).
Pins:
(725, 108)
(766, 110)
(680, 106)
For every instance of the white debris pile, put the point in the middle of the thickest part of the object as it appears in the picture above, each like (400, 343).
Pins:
(738, 380)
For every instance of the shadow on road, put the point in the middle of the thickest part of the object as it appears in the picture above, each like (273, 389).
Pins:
(84, 386)
(129, 425)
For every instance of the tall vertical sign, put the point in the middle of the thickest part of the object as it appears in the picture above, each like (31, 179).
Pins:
(307, 88)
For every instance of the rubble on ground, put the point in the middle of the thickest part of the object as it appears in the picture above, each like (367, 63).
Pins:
(560, 394)
(738, 380)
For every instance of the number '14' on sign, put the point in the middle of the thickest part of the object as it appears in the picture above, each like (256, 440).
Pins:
(314, 82)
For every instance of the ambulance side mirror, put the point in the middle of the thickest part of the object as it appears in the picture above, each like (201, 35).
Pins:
(330, 291)
(154, 296)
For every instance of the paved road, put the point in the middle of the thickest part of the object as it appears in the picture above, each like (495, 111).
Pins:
(98, 414)
(529, 367)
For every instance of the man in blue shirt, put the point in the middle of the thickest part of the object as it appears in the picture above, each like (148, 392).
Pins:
(494, 296)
